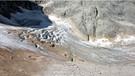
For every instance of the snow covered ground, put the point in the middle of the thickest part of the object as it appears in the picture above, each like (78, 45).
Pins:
(9, 39)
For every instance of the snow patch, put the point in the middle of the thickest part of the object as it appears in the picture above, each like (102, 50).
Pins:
(125, 41)
(12, 41)
(103, 42)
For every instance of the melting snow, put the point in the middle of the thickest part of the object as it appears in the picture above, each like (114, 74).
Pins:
(103, 42)
(125, 41)
(7, 40)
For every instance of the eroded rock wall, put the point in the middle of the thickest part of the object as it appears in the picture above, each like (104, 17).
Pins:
(97, 18)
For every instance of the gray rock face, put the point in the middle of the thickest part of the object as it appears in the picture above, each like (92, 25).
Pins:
(97, 18)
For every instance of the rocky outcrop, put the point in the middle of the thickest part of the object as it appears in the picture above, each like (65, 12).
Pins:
(8, 7)
(23, 13)
(92, 18)
(97, 18)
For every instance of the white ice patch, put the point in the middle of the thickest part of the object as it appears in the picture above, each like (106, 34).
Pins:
(61, 26)
(59, 21)
(125, 41)
(103, 42)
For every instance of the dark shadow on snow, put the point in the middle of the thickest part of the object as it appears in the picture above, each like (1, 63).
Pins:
(23, 14)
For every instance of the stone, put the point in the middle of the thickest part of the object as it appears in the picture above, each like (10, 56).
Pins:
(97, 18)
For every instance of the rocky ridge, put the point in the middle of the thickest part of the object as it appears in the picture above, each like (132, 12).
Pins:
(97, 19)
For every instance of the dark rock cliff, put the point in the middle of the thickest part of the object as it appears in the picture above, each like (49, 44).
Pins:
(23, 13)
(8, 7)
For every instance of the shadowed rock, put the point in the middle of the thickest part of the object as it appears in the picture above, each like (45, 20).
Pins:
(23, 13)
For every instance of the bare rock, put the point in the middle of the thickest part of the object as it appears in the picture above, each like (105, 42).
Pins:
(97, 18)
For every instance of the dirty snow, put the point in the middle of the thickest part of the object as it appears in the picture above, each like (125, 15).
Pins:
(9, 40)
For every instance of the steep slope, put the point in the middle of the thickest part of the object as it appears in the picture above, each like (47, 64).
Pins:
(94, 31)
(105, 27)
